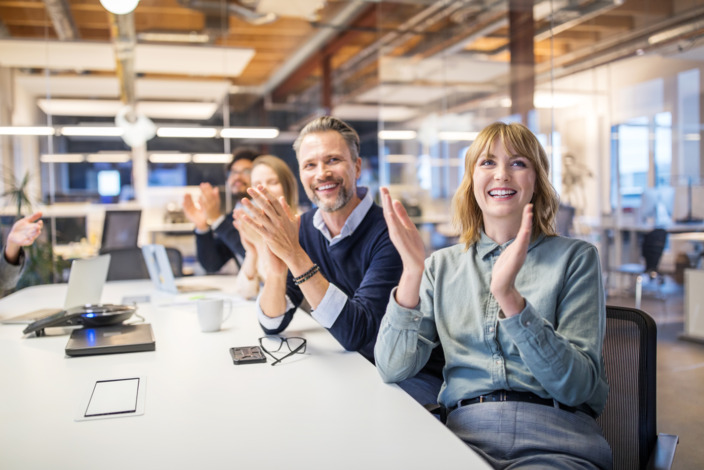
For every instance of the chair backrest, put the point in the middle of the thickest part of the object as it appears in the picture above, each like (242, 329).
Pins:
(175, 260)
(128, 263)
(629, 419)
(653, 246)
(120, 229)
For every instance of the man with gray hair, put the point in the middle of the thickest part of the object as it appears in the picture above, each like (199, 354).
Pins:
(338, 257)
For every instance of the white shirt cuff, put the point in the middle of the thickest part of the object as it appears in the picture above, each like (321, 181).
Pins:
(216, 223)
(268, 322)
(330, 307)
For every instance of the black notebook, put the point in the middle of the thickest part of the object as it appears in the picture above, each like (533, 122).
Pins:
(111, 340)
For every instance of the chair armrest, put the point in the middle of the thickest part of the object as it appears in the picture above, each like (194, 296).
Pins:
(664, 452)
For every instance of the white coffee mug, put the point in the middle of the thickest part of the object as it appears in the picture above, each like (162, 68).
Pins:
(211, 313)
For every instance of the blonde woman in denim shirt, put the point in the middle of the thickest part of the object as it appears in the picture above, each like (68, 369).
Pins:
(519, 311)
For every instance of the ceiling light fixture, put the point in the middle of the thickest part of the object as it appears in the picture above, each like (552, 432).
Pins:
(193, 132)
(26, 130)
(119, 157)
(212, 158)
(170, 158)
(62, 158)
(177, 37)
(249, 133)
(397, 135)
(119, 7)
(135, 133)
(90, 131)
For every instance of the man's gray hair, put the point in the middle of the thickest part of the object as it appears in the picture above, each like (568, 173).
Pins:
(329, 123)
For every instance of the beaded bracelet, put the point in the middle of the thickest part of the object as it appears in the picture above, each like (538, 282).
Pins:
(306, 275)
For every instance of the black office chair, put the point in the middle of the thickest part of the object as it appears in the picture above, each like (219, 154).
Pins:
(128, 263)
(629, 419)
(651, 250)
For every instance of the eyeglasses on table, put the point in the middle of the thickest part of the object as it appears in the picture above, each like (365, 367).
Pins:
(274, 344)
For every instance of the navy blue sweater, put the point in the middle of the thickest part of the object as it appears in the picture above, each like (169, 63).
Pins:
(365, 266)
(217, 247)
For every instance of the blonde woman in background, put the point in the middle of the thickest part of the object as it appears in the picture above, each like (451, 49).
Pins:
(275, 175)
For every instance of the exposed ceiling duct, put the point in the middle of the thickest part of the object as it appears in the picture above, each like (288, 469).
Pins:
(60, 14)
(137, 129)
(124, 40)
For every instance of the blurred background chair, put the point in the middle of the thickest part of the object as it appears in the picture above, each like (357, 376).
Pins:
(128, 263)
(629, 419)
(652, 248)
(564, 220)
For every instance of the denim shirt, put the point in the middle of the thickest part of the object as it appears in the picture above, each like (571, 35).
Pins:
(553, 348)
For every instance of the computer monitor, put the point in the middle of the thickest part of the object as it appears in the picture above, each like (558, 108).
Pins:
(69, 229)
(657, 205)
(120, 229)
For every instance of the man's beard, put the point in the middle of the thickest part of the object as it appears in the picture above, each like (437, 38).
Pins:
(344, 195)
(240, 195)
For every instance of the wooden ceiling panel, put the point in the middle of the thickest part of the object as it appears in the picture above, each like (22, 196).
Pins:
(419, 29)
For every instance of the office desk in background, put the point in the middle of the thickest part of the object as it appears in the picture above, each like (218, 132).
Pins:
(613, 231)
(154, 230)
(325, 409)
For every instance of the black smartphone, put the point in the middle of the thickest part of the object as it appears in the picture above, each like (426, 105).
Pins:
(247, 355)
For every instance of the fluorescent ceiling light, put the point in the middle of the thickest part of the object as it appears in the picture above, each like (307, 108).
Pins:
(119, 7)
(120, 157)
(212, 158)
(92, 131)
(175, 36)
(194, 132)
(27, 130)
(249, 133)
(62, 158)
(397, 135)
(457, 135)
(192, 110)
(170, 158)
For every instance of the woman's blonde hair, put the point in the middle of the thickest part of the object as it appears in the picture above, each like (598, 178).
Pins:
(285, 175)
(467, 216)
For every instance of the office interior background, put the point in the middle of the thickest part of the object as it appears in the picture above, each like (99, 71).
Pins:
(131, 111)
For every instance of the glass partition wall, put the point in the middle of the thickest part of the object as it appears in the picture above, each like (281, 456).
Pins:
(612, 88)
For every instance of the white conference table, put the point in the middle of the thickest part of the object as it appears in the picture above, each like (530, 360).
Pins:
(327, 408)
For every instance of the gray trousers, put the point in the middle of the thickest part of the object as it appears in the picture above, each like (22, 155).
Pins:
(518, 435)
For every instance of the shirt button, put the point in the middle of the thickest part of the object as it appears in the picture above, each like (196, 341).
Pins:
(528, 323)
(416, 318)
(498, 362)
(491, 330)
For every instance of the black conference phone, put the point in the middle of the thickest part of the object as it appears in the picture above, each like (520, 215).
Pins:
(90, 315)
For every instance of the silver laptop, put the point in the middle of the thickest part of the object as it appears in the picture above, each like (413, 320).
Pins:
(85, 286)
(161, 274)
